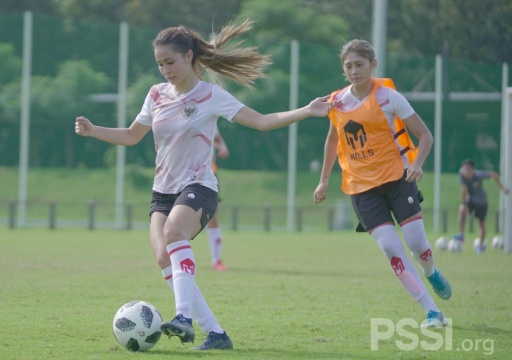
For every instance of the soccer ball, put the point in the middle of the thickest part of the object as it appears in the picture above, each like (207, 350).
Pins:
(498, 242)
(454, 245)
(441, 243)
(137, 325)
(476, 244)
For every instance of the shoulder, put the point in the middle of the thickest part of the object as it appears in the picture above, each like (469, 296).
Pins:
(483, 173)
(221, 94)
(340, 93)
(390, 94)
(217, 89)
(160, 87)
(346, 100)
(157, 90)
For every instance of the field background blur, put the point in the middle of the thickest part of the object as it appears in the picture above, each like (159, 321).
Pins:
(75, 72)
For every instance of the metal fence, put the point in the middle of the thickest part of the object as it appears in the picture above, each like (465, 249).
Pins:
(94, 215)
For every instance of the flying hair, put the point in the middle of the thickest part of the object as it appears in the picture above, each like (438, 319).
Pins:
(242, 65)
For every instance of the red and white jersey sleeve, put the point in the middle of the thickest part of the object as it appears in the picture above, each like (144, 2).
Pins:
(184, 129)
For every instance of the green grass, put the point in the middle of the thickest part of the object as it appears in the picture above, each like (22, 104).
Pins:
(285, 296)
(249, 191)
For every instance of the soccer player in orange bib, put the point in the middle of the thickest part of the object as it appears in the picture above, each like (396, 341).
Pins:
(380, 166)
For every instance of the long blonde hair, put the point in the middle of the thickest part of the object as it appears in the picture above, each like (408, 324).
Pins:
(241, 64)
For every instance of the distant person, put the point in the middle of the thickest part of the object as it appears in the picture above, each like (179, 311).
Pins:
(182, 113)
(474, 198)
(213, 230)
(380, 167)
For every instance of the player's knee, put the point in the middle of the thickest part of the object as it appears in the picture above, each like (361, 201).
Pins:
(163, 260)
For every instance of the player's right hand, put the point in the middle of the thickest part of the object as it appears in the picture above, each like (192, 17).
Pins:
(83, 126)
(320, 195)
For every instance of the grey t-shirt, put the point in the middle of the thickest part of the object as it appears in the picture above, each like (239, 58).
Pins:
(476, 192)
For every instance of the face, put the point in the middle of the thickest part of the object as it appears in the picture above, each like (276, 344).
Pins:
(468, 171)
(358, 69)
(173, 66)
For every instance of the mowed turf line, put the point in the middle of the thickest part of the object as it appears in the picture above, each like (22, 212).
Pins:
(285, 296)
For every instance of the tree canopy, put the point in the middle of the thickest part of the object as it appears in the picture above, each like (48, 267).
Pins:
(472, 30)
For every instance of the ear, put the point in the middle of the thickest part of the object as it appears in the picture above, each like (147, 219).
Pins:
(374, 64)
(189, 56)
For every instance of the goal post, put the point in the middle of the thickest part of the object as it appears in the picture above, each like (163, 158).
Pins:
(507, 176)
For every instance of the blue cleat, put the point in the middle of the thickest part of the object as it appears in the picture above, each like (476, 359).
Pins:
(216, 341)
(434, 319)
(181, 327)
(459, 237)
(440, 285)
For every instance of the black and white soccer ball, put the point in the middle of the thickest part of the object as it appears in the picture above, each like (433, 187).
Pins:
(498, 242)
(441, 244)
(454, 245)
(137, 325)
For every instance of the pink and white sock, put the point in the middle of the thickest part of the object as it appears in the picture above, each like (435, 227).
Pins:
(390, 243)
(215, 241)
(416, 239)
(183, 275)
(201, 312)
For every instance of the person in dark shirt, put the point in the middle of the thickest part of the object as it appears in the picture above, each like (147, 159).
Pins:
(474, 198)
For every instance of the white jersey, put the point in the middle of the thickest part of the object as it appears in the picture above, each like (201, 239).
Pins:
(184, 129)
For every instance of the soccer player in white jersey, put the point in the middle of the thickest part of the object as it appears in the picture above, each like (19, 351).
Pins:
(183, 113)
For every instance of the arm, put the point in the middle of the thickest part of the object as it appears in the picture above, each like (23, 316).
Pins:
(425, 140)
(117, 136)
(253, 119)
(331, 144)
(496, 177)
(220, 145)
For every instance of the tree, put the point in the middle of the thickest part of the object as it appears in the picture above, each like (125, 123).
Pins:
(472, 30)
(55, 103)
(11, 65)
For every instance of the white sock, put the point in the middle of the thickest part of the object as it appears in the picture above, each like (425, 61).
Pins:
(416, 239)
(201, 312)
(405, 271)
(215, 241)
(183, 275)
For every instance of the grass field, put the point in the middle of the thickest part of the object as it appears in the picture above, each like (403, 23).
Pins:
(285, 296)
(249, 191)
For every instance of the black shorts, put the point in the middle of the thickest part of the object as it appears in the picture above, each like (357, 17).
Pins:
(480, 210)
(194, 196)
(218, 187)
(375, 206)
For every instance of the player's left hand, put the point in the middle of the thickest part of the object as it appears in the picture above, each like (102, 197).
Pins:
(414, 173)
(321, 106)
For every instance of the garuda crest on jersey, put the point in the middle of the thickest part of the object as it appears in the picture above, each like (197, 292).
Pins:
(189, 111)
